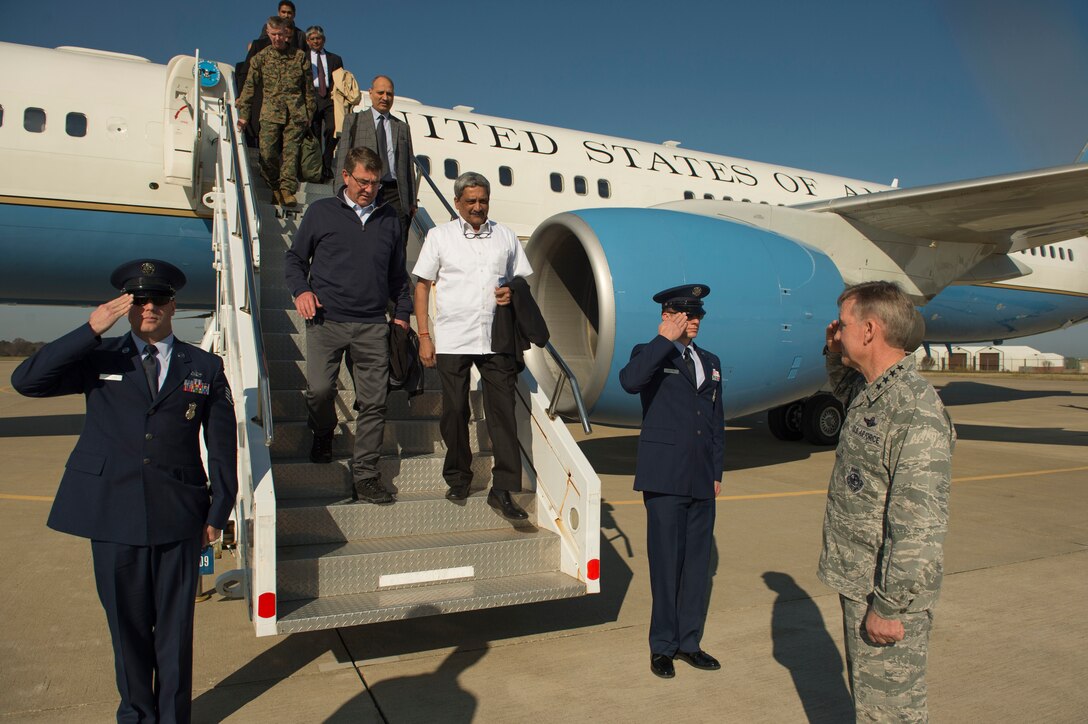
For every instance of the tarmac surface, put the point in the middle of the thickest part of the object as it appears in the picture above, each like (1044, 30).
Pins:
(1009, 643)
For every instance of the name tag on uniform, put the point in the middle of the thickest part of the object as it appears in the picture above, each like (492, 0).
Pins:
(197, 386)
(111, 378)
(207, 562)
(671, 371)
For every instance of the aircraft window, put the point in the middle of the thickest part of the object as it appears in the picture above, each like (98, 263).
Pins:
(75, 124)
(452, 168)
(1061, 253)
(580, 185)
(747, 201)
(708, 196)
(506, 176)
(689, 195)
(1051, 251)
(557, 182)
(34, 120)
(604, 189)
(1070, 255)
(727, 198)
(764, 203)
(1033, 251)
(425, 163)
(1, 115)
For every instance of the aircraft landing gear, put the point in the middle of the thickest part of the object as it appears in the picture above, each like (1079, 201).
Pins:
(822, 419)
(785, 421)
(817, 419)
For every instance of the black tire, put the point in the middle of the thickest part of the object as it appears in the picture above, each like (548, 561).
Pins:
(821, 421)
(785, 421)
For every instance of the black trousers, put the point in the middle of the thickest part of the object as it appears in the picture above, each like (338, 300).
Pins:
(390, 194)
(324, 129)
(499, 375)
(148, 594)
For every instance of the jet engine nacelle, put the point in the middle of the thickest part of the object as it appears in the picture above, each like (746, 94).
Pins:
(595, 274)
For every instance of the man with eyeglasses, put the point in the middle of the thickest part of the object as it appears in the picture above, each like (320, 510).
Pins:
(344, 267)
(681, 449)
(135, 484)
(472, 259)
(324, 64)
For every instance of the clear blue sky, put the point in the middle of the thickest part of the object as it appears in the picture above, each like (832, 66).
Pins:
(924, 91)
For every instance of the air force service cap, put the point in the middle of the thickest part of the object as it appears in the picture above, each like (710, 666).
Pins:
(152, 276)
(686, 298)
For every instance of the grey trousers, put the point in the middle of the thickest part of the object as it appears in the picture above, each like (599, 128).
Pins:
(367, 346)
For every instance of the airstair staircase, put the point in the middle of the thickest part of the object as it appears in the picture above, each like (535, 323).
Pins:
(310, 557)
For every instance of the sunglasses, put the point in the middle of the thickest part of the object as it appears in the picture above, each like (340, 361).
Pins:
(159, 300)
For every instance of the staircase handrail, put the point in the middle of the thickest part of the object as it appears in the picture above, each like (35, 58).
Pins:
(575, 388)
(246, 207)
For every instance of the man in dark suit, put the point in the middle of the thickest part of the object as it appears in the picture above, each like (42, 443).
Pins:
(323, 125)
(135, 484)
(367, 128)
(679, 471)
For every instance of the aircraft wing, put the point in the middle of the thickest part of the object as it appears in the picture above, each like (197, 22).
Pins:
(1011, 212)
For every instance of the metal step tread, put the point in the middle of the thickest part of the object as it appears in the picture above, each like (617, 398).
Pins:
(406, 496)
(371, 607)
(408, 543)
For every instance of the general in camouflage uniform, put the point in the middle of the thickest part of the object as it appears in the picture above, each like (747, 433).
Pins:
(887, 502)
(283, 73)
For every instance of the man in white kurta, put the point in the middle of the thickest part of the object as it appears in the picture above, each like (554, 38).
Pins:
(470, 260)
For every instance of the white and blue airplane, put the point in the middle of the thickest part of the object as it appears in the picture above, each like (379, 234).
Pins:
(99, 171)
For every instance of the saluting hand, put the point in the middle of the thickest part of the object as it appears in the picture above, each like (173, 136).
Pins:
(833, 345)
(106, 315)
(673, 326)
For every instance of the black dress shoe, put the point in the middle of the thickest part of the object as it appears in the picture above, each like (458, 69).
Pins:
(699, 659)
(372, 491)
(458, 492)
(501, 501)
(662, 666)
(321, 450)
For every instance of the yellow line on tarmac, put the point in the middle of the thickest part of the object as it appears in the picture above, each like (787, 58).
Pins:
(35, 498)
(797, 493)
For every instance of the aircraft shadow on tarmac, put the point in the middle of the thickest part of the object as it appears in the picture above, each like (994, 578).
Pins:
(748, 445)
(803, 646)
(975, 393)
(1030, 435)
(41, 425)
(469, 632)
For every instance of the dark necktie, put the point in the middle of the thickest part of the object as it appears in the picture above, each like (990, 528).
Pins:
(382, 150)
(322, 89)
(151, 369)
(690, 363)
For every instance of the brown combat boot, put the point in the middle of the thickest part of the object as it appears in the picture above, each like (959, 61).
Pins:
(288, 198)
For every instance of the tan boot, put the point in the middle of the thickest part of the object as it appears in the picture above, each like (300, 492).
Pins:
(276, 198)
(288, 198)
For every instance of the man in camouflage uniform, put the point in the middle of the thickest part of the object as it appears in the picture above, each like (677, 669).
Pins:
(283, 74)
(887, 502)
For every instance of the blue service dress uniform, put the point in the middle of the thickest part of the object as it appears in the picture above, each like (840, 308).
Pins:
(681, 451)
(135, 485)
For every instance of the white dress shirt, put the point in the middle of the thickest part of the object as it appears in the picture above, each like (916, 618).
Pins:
(165, 350)
(466, 272)
(390, 142)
